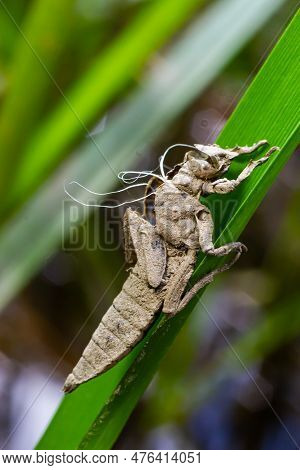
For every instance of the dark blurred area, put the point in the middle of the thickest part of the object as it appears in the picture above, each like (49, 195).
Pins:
(203, 395)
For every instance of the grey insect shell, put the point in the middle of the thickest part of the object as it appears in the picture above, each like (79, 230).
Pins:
(176, 216)
(165, 252)
(122, 326)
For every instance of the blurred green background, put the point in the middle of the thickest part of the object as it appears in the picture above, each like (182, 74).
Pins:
(89, 88)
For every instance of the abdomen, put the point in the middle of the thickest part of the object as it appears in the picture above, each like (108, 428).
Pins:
(175, 217)
(121, 328)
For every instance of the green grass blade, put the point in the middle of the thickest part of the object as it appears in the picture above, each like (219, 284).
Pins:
(90, 95)
(39, 223)
(269, 109)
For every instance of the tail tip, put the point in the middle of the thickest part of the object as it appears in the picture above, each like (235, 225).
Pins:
(70, 384)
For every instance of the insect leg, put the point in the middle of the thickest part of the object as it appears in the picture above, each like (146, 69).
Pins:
(178, 282)
(148, 246)
(205, 227)
(224, 186)
(253, 164)
(246, 149)
(206, 280)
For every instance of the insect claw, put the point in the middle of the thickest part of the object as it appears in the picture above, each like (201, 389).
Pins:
(262, 142)
(242, 248)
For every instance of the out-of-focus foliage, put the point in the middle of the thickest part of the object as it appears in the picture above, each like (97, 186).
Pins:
(108, 74)
(135, 71)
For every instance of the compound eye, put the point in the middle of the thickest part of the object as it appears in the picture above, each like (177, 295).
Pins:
(223, 167)
(202, 155)
(213, 161)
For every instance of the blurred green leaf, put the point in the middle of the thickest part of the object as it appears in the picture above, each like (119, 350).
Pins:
(89, 96)
(44, 33)
(271, 94)
(8, 32)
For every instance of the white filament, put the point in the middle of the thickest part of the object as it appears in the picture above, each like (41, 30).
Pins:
(105, 194)
(163, 156)
(139, 174)
(90, 204)
(125, 177)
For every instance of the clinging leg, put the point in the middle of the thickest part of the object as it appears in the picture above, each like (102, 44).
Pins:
(205, 228)
(245, 150)
(224, 185)
(204, 281)
(174, 302)
(178, 282)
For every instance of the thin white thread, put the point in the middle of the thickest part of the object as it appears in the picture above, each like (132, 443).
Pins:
(90, 204)
(111, 192)
(139, 174)
(163, 156)
(126, 179)
(123, 176)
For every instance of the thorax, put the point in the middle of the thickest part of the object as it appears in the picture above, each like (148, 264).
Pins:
(175, 212)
